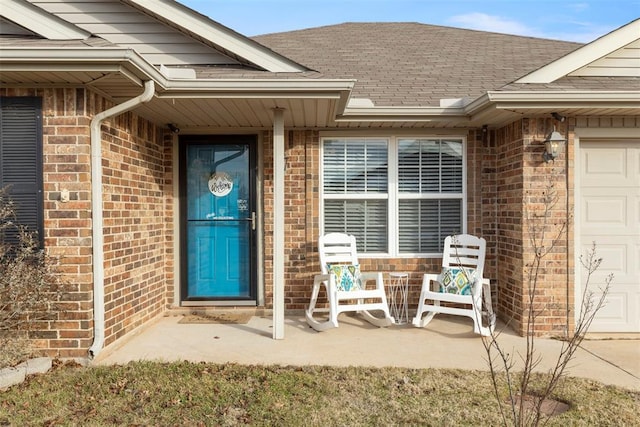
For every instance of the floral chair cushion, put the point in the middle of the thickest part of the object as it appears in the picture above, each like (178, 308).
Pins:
(347, 276)
(456, 280)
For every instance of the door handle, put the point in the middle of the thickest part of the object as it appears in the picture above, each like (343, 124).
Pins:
(253, 221)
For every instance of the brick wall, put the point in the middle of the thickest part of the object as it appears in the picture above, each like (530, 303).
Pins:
(66, 332)
(486, 189)
(533, 215)
(506, 182)
(267, 206)
(66, 146)
(137, 219)
(509, 189)
(135, 223)
(169, 235)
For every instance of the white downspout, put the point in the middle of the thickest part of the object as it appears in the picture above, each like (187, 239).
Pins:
(96, 211)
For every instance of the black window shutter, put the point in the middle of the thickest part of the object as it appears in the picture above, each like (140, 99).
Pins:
(21, 161)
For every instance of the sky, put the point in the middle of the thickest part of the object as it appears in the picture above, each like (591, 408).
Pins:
(570, 20)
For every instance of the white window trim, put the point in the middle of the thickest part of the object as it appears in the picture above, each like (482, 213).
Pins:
(392, 193)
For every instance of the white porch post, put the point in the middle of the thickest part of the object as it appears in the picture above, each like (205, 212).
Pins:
(278, 224)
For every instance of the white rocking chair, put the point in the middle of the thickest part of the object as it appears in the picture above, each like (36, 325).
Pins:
(345, 285)
(461, 281)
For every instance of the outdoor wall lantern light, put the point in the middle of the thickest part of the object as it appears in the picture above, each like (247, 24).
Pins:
(553, 144)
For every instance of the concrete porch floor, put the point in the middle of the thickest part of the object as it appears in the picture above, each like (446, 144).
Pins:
(447, 342)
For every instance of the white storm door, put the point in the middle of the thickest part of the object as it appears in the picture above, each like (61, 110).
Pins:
(610, 216)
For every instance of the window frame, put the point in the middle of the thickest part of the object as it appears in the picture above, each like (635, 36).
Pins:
(393, 195)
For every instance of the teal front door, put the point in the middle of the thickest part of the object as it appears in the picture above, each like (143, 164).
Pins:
(218, 217)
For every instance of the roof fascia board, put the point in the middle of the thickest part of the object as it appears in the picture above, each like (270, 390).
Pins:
(193, 87)
(84, 68)
(264, 92)
(49, 26)
(220, 35)
(620, 104)
(586, 97)
(403, 114)
(479, 103)
(405, 111)
(585, 54)
(80, 59)
(67, 54)
(481, 109)
(401, 119)
(262, 89)
(484, 107)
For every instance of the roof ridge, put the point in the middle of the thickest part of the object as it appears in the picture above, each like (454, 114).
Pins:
(435, 26)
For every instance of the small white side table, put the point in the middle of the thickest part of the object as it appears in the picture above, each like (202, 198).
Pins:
(398, 290)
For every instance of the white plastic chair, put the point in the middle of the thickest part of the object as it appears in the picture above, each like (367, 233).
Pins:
(340, 249)
(466, 252)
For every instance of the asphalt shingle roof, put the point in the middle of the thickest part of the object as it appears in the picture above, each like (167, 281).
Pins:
(413, 64)
(399, 64)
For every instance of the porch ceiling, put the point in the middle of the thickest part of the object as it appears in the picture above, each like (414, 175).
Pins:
(233, 113)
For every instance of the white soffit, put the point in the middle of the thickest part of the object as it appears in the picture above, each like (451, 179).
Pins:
(219, 35)
(585, 55)
(40, 22)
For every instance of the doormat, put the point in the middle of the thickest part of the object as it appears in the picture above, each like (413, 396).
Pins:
(222, 317)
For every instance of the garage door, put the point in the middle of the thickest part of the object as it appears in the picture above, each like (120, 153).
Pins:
(609, 197)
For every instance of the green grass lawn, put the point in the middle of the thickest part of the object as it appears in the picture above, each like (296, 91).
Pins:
(166, 394)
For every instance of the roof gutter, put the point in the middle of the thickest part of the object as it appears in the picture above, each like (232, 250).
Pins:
(484, 109)
(258, 88)
(108, 59)
(96, 211)
(403, 114)
(560, 97)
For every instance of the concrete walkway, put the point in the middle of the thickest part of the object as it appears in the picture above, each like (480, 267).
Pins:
(447, 342)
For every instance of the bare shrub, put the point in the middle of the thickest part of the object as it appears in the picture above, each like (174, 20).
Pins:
(529, 395)
(28, 284)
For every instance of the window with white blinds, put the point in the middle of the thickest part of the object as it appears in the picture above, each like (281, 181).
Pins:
(355, 188)
(398, 196)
